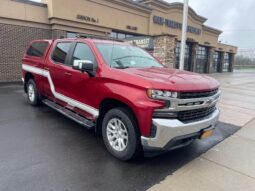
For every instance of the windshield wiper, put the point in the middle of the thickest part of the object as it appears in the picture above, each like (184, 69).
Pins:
(121, 67)
(134, 57)
(122, 57)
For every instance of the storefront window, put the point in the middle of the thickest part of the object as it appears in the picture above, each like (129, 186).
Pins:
(71, 34)
(187, 61)
(226, 62)
(216, 61)
(120, 35)
(114, 35)
(201, 59)
(129, 35)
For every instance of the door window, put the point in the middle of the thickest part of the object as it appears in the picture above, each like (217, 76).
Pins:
(216, 61)
(187, 60)
(60, 53)
(201, 59)
(226, 62)
(83, 52)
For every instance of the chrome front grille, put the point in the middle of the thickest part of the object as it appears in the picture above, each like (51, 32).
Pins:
(195, 114)
(190, 95)
(191, 109)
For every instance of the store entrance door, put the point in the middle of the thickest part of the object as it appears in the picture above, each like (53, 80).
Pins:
(187, 60)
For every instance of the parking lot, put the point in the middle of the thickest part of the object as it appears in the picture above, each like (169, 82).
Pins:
(42, 150)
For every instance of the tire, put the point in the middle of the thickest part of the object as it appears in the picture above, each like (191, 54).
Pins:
(32, 93)
(125, 129)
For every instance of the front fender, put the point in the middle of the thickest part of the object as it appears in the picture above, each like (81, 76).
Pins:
(137, 100)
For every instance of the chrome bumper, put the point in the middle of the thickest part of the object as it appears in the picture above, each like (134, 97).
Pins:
(169, 129)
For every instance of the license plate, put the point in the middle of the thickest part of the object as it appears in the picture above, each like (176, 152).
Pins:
(206, 133)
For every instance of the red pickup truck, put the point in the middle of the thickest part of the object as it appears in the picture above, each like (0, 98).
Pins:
(122, 92)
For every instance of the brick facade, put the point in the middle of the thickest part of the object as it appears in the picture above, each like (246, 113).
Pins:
(58, 34)
(164, 47)
(13, 42)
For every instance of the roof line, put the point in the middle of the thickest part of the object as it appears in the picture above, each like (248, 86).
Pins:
(31, 3)
(212, 29)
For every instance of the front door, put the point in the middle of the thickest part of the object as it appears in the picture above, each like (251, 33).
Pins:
(79, 85)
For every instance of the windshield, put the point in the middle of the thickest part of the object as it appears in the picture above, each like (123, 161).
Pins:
(126, 56)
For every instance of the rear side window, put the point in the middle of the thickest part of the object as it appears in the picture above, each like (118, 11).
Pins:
(60, 52)
(37, 49)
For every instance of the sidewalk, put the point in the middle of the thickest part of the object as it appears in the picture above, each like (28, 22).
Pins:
(230, 165)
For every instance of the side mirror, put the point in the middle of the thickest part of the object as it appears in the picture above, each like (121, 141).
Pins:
(84, 66)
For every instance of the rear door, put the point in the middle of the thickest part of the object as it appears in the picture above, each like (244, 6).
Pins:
(57, 66)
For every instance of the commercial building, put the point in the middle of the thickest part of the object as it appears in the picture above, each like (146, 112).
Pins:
(152, 24)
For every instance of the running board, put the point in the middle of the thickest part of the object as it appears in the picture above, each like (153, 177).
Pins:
(72, 115)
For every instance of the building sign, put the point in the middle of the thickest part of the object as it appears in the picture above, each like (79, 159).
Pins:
(132, 28)
(87, 18)
(175, 25)
(142, 41)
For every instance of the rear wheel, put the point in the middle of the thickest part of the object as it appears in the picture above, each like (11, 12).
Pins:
(32, 93)
(120, 134)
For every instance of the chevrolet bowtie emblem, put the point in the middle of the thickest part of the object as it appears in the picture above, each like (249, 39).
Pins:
(209, 101)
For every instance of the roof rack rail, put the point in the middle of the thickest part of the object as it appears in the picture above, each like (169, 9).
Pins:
(92, 36)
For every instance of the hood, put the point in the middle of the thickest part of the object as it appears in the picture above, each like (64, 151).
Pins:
(175, 80)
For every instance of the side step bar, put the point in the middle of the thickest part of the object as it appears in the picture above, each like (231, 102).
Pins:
(72, 115)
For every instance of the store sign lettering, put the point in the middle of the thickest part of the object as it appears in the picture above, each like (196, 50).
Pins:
(173, 24)
(87, 18)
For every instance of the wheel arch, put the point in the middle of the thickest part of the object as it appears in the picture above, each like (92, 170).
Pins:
(28, 76)
(108, 104)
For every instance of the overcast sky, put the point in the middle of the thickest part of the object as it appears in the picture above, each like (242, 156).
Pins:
(234, 17)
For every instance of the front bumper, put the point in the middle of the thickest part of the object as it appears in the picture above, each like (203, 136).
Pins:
(169, 130)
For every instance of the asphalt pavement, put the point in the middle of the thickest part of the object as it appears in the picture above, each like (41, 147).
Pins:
(42, 150)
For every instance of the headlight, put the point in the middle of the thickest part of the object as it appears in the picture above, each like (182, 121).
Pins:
(161, 94)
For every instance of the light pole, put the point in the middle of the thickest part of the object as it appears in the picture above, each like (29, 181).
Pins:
(184, 32)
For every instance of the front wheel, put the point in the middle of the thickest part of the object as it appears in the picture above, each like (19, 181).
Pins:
(120, 134)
